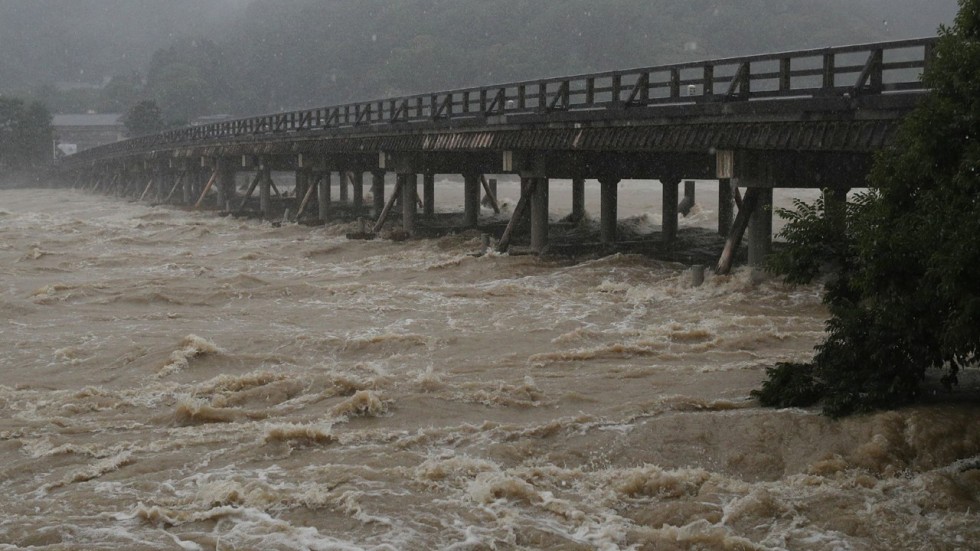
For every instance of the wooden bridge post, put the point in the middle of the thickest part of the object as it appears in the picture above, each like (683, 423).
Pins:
(760, 229)
(344, 194)
(121, 183)
(539, 215)
(428, 194)
(265, 191)
(323, 197)
(303, 181)
(490, 193)
(578, 199)
(669, 224)
(357, 186)
(225, 183)
(471, 200)
(409, 189)
(187, 189)
(527, 190)
(687, 203)
(726, 207)
(608, 209)
(378, 192)
(168, 175)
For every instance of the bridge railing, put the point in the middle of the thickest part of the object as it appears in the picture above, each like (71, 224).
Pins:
(857, 70)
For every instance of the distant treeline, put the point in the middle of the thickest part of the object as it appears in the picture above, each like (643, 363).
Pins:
(25, 135)
(245, 57)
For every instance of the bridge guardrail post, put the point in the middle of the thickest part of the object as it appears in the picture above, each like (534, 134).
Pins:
(829, 72)
(708, 88)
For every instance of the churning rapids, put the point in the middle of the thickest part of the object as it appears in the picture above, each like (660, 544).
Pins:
(179, 380)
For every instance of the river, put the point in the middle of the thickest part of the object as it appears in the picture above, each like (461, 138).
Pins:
(180, 380)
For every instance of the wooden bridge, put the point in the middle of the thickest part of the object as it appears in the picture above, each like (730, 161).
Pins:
(803, 119)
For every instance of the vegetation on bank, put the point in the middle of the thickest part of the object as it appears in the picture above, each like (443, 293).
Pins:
(903, 291)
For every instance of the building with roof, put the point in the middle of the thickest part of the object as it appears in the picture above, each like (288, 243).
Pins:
(77, 132)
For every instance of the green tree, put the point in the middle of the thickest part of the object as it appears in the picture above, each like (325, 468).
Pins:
(906, 298)
(25, 134)
(143, 118)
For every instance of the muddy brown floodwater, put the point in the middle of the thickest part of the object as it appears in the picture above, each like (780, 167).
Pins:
(178, 380)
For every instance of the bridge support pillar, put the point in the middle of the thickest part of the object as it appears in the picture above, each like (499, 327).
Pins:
(323, 197)
(265, 192)
(161, 184)
(471, 200)
(760, 229)
(608, 208)
(687, 203)
(490, 197)
(428, 194)
(539, 215)
(344, 193)
(669, 225)
(726, 207)
(303, 176)
(187, 187)
(225, 182)
(578, 199)
(409, 190)
(378, 192)
(357, 187)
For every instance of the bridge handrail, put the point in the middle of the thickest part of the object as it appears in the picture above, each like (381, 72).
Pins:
(744, 78)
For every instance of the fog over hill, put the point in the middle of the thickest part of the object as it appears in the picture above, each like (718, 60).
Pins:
(247, 56)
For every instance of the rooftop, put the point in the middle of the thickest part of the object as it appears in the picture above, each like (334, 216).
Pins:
(86, 119)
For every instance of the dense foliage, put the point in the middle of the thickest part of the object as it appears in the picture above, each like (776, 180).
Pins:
(25, 134)
(143, 118)
(906, 296)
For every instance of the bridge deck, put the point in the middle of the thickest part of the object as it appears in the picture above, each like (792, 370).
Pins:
(861, 87)
(808, 118)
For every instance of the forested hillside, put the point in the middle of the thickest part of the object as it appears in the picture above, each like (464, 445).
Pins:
(248, 56)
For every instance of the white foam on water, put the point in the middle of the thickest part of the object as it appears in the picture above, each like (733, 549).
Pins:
(380, 395)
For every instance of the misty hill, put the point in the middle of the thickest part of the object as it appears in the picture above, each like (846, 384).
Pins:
(248, 56)
(86, 41)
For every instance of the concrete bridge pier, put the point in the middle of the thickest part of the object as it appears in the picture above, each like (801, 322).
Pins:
(492, 186)
(409, 189)
(344, 193)
(578, 199)
(323, 197)
(357, 187)
(471, 200)
(687, 203)
(129, 179)
(162, 185)
(760, 229)
(265, 191)
(428, 194)
(669, 224)
(303, 179)
(187, 187)
(608, 207)
(225, 183)
(124, 180)
(377, 192)
(726, 207)
(203, 176)
(539, 215)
